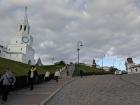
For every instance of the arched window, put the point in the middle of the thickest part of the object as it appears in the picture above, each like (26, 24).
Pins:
(20, 27)
(28, 29)
(24, 28)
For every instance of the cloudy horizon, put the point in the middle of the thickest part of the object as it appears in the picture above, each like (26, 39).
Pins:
(106, 27)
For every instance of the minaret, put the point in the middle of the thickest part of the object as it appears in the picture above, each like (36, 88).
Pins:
(24, 27)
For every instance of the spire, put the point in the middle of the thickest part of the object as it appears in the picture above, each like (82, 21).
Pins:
(24, 27)
(39, 62)
(25, 16)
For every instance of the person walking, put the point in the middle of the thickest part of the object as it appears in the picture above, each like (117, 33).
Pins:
(57, 75)
(47, 76)
(81, 73)
(67, 72)
(8, 80)
(32, 76)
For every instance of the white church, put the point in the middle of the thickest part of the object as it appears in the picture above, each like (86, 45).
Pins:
(131, 67)
(20, 46)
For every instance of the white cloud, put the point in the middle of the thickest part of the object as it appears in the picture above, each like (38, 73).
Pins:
(22, 2)
(47, 44)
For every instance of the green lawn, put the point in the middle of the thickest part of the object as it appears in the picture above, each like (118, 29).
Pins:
(20, 69)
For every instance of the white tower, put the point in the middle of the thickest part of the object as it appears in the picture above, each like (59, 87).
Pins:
(20, 47)
(129, 64)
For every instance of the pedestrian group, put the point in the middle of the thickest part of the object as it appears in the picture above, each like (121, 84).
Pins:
(8, 80)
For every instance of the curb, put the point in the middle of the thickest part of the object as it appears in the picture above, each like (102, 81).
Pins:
(55, 92)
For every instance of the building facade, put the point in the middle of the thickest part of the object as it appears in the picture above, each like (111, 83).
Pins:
(131, 67)
(20, 46)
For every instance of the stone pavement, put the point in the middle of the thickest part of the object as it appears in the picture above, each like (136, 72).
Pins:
(100, 90)
(41, 93)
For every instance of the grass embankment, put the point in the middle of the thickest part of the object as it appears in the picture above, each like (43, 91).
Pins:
(90, 70)
(20, 69)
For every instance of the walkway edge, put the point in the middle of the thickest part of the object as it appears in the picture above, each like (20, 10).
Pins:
(55, 92)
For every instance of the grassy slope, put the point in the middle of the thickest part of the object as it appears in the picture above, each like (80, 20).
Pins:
(90, 70)
(22, 69)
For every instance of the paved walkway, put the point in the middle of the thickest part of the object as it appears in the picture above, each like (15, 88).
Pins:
(100, 90)
(41, 93)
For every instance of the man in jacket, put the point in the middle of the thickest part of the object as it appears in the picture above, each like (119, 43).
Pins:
(7, 79)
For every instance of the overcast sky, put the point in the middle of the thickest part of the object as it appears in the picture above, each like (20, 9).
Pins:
(106, 27)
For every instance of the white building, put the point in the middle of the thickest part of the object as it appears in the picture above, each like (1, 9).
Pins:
(106, 68)
(20, 46)
(131, 67)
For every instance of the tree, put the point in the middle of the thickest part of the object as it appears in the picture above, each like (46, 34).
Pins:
(112, 69)
(60, 63)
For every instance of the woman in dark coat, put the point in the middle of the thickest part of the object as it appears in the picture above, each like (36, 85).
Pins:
(81, 73)
(32, 76)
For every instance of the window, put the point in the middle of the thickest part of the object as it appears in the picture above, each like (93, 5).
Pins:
(16, 41)
(21, 49)
(28, 29)
(17, 55)
(24, 28)
(0, 51)
(20, 27)
(9, 49)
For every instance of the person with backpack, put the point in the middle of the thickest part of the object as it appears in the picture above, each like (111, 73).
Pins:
(8, 80)
(32, 76)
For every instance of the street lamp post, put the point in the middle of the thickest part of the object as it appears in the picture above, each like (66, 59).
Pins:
(102, 62)
(114, 61)
(79, 43)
